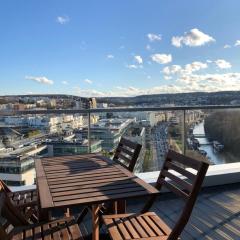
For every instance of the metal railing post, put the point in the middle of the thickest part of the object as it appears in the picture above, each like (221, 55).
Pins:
(184, 132)
(89, 132)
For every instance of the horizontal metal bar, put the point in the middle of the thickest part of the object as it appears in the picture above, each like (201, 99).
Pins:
(106, 110)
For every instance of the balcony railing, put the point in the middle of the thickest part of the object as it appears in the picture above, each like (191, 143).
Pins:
(182, 125)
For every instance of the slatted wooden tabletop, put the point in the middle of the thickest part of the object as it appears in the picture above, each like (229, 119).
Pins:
(85, 179)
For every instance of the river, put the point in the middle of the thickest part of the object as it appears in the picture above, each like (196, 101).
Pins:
(214, 156)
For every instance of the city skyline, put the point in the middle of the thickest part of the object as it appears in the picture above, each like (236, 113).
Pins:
(119, 49)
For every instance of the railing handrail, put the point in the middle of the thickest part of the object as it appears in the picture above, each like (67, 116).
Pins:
(116, 109)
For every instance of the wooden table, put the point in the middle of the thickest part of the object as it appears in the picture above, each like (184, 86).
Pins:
(89, 179)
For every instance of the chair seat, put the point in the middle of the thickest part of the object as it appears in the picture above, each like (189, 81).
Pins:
(22, 199)
(62, 229)
(136, 226)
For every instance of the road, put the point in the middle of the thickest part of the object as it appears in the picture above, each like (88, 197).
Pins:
(160, 144)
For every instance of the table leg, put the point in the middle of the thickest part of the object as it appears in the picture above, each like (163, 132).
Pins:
(67, 212)
(95, 222)
(121, 206)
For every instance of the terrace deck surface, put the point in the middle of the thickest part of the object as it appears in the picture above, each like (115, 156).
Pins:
(216, 215)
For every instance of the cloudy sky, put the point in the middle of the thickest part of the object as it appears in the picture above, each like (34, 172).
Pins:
(119, 48)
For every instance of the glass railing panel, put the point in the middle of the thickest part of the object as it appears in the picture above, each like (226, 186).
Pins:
(210, 134)
(214, 135)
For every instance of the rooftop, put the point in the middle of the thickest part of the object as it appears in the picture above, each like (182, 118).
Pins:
(216, 214)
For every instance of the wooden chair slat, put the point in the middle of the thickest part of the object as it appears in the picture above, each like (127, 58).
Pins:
(122, 229)
(149, 222)
(174, 189)
(183, 184)
(184, 172)
(182, 159)
(127, 151)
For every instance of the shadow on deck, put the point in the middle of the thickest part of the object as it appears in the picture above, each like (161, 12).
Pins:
(216, 215)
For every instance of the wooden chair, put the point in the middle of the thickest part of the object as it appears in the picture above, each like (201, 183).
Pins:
(127, 153)
(147, 225)
(26, 201)
(15, 226)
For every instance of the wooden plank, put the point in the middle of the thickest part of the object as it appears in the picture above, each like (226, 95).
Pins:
(86, 193)
(106, 180)
(100, 171)
(66, 166)
(80, 178)
(87, 189)
(37, 233)
(145, 226)
(130, 228)
(153, 225)
(112, 228)
(187, 161)
(162, 225)
(125, 150)
(69, 167)
(69, 170)
(44, 193)
(177, 180)
(122, 228)
(174, 189)
(138, 227)
(95, 222)
(184, 172)
(39, 168)
(101, 199)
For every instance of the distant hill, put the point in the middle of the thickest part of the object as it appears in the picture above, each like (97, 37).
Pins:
(176, 98)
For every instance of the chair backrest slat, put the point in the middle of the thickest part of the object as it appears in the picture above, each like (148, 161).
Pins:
(174, 189)
(184, 160)
(127, 153)
(10, 215)
(173, 166)
(183, 176)
(5, 187)
(178, 181)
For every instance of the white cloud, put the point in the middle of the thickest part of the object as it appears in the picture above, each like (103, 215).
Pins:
(138, 59)
(237, 43)
(193, 38)
(185, 83)
(161, 58)
(64, 82)
(154, 37)
(167, 77)
(223, 64)
(110, 56)
(174, 69)
(187, 69)
(42, 80)
(88, 92)
(195, 66)
(62, 19)
(227, 46)
(88, 81)
(133, 66)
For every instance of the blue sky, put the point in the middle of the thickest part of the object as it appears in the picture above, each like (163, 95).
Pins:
(119, 48)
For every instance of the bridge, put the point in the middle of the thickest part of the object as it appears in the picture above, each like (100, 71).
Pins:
(199, 136)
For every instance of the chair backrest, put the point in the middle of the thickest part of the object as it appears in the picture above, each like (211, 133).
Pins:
(10, 217)
(183, 176)
(127, 153)
(5, 187)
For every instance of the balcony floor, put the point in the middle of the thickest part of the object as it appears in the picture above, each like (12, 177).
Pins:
(216, 215)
